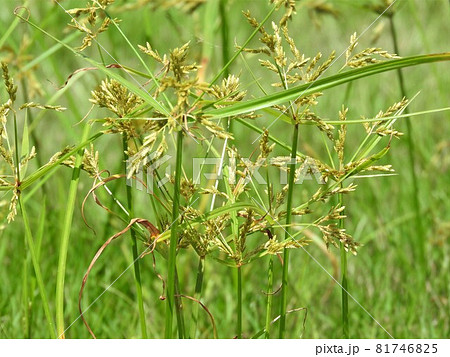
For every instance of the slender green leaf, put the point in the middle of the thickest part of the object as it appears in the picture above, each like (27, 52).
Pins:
(322, 84)
(27, 182)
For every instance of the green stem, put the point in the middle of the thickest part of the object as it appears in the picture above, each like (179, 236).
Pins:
(344, 307)
(225, 47)
(269, 297)
(65, 237)
(239, 303)
(420, 233)
(284, 287)
(224, 37)
(25, 287)
(237, 277)
(171, 262)
(26, 299)
(270, 292)
(37, 270)
(197, 296)
(179, 308)
(137, 272)
(29, 237)
(38, 236)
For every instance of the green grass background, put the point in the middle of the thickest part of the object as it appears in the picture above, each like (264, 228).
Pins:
(408, 298)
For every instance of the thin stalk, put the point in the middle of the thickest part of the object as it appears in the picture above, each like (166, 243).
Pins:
(284, 288)
(137, 272)
(239, 303)
(269, 298)
(25, 283)
(26, 298)
(65, 237)
(288, 213)
(270, 293)
(420, 233)
(344, 307)
(237, 277)
(29, 237)
(171, 261)
(224, 37)
(29, 281)
(179, 308)
(39, 235)
(197, 296)
(225, 47)
(37, 270)
(343, 261)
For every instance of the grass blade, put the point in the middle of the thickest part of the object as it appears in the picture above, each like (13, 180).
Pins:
(28, 181)
(344, 281)
(322, 84)
(197, 296)
(171, 261)
(284, 288)
(420, 250)
(137, 271)
(65, 237)
(37, 270)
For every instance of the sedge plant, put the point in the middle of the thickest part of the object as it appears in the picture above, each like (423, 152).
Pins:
(175, 109)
